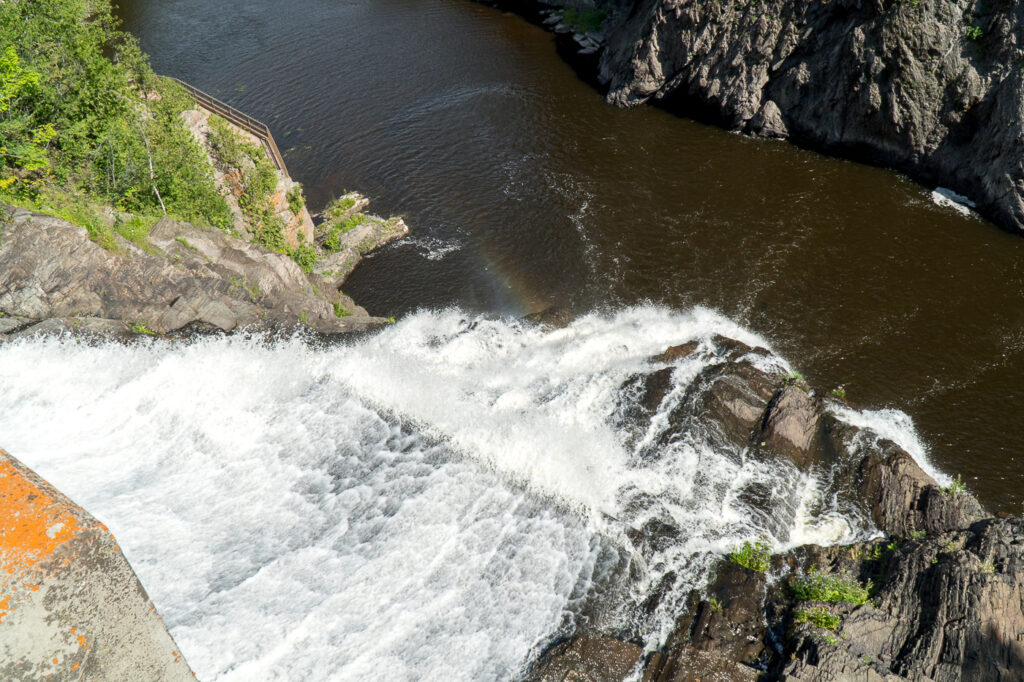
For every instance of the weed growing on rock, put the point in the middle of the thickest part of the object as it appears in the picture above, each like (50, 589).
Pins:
(820, 617)
(755, 556)
(818, 586)
(987, 566)
(305, 256)
(341, 311)
(918, 534)
(956, 487)
(336, 228)
(296, 202)
(716, 605)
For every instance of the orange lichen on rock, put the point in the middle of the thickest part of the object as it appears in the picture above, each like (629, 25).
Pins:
(32, 523)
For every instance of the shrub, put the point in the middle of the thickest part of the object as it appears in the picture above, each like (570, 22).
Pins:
(82, 111)
(756, 556)
(305, 255)
(820, 617)
(296, 202)
(818, 586)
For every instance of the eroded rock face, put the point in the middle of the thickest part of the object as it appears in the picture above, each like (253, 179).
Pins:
(932, 87)
(946, 606)
(52, 275)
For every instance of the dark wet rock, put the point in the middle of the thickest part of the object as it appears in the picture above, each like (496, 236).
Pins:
(674, 353)
(720, 632)
(904, 499)
(946, 586)
(932, 87)
(553, 317)
(655, 387)
(587, 659)
(731, 399)
(52, 277)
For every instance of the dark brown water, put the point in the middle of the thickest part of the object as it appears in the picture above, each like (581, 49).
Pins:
(524, 189)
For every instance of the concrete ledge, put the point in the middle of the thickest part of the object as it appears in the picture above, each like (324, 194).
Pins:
(71, 608)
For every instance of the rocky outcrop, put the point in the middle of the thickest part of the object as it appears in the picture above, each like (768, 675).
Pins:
(941, 598)
(347, 234)
(298, 226)
(53, 277)
(934, 88)
(71, 608)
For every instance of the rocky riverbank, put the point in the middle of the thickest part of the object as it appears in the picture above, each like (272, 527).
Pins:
(181, 279)
(939, 597)
(934, 88)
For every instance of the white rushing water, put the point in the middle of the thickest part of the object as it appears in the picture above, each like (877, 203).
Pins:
(436, 501)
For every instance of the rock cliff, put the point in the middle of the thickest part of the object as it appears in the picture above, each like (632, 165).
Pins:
(939, 598)
(934, 88)
(53, 277)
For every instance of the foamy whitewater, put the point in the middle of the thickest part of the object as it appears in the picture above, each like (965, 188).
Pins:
(437, 501)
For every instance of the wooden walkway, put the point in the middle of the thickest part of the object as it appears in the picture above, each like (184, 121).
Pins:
(238, 118)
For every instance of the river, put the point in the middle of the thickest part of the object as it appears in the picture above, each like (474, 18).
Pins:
(423, 506)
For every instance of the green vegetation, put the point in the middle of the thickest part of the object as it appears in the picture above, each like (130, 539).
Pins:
(987, 566)
(839, 392)
(139, 328)
(716, 605)
(794, 378)
(304, 317)
(335, 228)
(81, 112)
(340, 310)
(820, 617)
(336, 208)
(296, 202)
(956, 487)
(756, 556)
(584, 21)
(818, 586)
(305, 255)
(918, 534)
(975, 33)
(184, 242)
(255, 178)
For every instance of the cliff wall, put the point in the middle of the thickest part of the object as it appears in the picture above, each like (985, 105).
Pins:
(934, 88)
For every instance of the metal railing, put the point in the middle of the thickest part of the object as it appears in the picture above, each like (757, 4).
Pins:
(240, 119)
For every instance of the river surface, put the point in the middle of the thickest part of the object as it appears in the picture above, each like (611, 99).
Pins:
(524, 189)
(441, 500)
